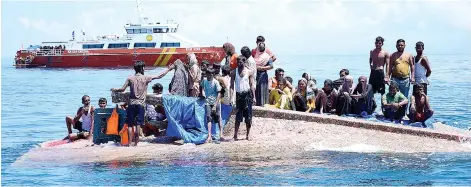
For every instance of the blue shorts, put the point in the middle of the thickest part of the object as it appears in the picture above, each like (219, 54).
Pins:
(135, 115)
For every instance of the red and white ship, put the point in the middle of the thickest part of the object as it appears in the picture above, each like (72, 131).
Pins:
(155, 43)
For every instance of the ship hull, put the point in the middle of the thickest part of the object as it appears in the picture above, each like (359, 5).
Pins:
(108, 58)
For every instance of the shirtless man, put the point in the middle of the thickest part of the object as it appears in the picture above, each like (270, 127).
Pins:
(419, 110)
(401, 68)
(378, 59)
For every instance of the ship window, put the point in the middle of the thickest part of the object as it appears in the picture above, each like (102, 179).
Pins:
(149, 31)
(143, 30)
(157, 30)
(119, 45)
(130, 31)
(165, 44)
(137, 31)
(93, 46)
(150, 45)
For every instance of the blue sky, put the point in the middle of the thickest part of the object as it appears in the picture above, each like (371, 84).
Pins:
(291, 26)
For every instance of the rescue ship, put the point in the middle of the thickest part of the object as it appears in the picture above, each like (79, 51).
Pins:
(155, 43)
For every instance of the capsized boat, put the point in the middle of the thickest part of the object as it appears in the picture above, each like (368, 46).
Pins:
(155, 43)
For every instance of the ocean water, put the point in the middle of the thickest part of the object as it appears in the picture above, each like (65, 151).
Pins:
(36, 101)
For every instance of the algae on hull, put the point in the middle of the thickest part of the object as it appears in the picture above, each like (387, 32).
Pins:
(454, 135)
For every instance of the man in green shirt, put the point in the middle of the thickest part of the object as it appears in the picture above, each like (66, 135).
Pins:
(394, 103)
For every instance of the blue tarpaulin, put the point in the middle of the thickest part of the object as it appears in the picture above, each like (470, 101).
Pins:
(186, 118)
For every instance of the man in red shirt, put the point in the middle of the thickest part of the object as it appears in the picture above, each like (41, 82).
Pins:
(262, 39)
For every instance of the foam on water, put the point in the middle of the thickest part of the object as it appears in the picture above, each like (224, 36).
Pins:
(357, 148)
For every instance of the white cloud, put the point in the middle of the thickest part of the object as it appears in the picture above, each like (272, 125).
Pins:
(456, 12)
(50, 28)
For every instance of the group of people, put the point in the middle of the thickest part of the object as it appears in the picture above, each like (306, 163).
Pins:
(243, 81)
(399, 70)
(52, 47)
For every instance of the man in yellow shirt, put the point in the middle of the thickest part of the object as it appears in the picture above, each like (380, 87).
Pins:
(402, 68)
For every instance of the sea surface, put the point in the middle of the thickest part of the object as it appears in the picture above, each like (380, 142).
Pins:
(35, 103)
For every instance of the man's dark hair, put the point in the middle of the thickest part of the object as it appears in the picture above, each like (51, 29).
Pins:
(346, 71)
(217, 67)
(260, 39)
(246, 52)
(226, 70)
(289, 79)
(241, 57)
(418, 86)
(205, 62)
(102, 100)
(157, 86)
(210, 71)
(139, 67)
(400, 40)
(380, 39)
(394, 85)
(419, 43)
(84, 96)
(279, 70)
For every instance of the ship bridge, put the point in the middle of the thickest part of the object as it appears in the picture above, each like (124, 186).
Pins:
(149, 28)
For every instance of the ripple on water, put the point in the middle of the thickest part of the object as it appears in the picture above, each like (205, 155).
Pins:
(48, 95)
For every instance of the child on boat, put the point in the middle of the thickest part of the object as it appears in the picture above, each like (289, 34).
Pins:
(211, 91)
(154, 114)
(102, 103)
(85, 127)
(226, 94)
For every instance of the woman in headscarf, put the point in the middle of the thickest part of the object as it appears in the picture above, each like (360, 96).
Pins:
(326, 99)
(263, 62)
(180, 81)
(231, 55)
(195, 75)
(344, 99)
(303, 97)
(363, 97)
(311, 82)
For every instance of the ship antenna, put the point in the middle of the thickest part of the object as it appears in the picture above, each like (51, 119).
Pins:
(140, 10)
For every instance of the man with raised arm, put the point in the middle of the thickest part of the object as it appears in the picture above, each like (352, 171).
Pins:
(137, 98)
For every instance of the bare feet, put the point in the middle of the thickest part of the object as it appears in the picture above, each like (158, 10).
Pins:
(208, 140)
(248, 138)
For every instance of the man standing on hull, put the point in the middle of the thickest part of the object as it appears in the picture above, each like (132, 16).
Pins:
(378, 59)
(401, 68)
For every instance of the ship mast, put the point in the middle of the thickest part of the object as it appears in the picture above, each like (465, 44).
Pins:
(140, 10)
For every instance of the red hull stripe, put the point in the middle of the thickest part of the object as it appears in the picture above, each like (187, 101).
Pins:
(123, 57)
